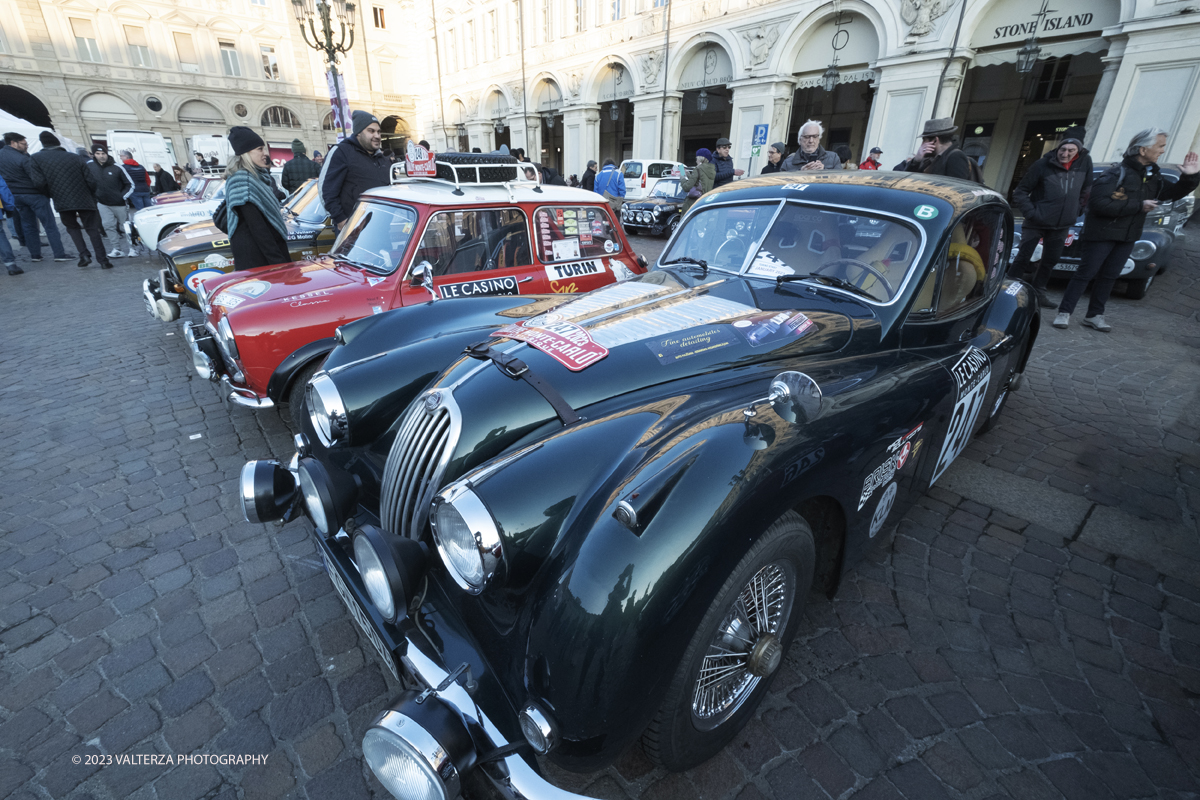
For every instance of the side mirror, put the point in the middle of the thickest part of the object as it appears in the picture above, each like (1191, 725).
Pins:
(795, 397)
(422, 275)
(641, 260)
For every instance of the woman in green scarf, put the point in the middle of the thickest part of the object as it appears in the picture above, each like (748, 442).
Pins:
(257, 234)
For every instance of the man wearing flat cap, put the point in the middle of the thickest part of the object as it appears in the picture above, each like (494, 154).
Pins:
(938, 154)
(354, 166)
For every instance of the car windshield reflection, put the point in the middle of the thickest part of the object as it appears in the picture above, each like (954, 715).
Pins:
(375, 236)
(669, 189)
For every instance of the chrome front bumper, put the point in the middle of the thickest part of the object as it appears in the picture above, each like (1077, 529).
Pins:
(209, 365)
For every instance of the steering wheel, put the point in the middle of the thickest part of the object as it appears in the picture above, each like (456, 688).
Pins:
(854, 262)
(731, 246)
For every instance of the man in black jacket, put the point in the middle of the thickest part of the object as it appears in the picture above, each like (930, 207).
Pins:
(938, 154)
(1121, 198)
(113, 188)
(33, 202)
(72, 187)
(299, 169)
(1050, 197)
(724, 163)
(589, 177)
(163, 180)
(354, 166)
(141, 181)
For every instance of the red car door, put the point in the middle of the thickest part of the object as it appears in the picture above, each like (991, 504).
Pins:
(579, 247)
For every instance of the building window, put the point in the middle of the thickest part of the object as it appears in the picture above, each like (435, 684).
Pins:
(85, 40)
(576, 16)
(660, 3)
(4, 42)
(187, 52)
(260, 3)
(139, 50)
(492, 34)
(451, 52)
(269, 62)
(469, 54)
(1053, 80)
(229, 59)
(279, 117)
(544, 19)
(615, 10)
(516, 30)
(380, 22)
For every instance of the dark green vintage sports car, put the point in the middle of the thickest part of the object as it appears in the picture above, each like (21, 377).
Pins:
(569, 524)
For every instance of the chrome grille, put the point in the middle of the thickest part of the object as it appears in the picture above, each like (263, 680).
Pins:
(417, 462)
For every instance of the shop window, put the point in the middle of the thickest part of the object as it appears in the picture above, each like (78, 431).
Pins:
(85, 40)
(1052, 81)
(279, 117)
(570, 232)
(186, 49)
(230, 62)
(380, 20)
(470, 241)
(270, 64)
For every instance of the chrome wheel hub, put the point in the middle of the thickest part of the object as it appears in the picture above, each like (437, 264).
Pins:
(747, 646)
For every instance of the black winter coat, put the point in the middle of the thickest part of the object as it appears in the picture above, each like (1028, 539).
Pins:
(770, 168)
(113, 184)
(164, 182)
(952, 164)
(350, 170)
(1050, 196)
(14, 168)
(297, 171)
(724, 169)
(589, 180)
(1115, 209)
(65, 178)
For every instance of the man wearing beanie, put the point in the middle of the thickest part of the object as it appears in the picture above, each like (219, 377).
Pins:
(70, 184)
(354, 166)
(299, 169)
(775, 154)
(1050, 197)
(113, 188)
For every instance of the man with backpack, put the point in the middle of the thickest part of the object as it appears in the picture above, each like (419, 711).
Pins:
(939, 155)
(610, 184)
(1050, 197)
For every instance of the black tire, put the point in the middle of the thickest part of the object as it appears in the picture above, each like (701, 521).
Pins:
(491, 175)
(1136, 290)
(297, 408)
(679, 738)
(168, 230)
(672, 225)
(1011, 385)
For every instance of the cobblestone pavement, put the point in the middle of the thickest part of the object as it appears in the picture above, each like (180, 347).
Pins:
(1032, 631)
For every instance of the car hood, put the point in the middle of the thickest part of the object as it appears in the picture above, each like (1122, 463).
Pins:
(201, 236)
(651, 202)
(194, 209)
(301, 283)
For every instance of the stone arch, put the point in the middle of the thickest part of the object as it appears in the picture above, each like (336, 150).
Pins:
(681, 60)
(597, 87)
(802, 31)
(457, 112)
(547, 93)
(490, 107)
(130, 10)
(199, 112)
(24, 105)
(982, 16)
(107, 107)
(280, 116)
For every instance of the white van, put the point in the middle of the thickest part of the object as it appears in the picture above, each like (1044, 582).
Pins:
(148, 147)
(210, 145)
(641, 174)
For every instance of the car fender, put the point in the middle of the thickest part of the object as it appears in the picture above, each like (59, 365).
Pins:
(281, 379)
(1011, 318)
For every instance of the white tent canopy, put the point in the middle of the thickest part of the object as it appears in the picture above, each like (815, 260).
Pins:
(11, 124)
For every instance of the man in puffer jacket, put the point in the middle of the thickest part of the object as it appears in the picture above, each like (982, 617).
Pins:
(71, 186)
(299, 169)
(1121, 198)
(354, 166)
(113, 188)
(1050, 197)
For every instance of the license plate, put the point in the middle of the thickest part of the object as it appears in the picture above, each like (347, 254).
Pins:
(1061, 267)
(364, 624)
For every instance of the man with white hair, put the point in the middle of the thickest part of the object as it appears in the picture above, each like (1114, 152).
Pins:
(141, 181)
(811, 155)
(1121, 198)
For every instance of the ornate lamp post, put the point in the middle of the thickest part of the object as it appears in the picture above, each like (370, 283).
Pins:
(1027, 56)
(829, 79)
(322, 14)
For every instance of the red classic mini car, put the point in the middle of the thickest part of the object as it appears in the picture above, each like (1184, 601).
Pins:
(475, 229)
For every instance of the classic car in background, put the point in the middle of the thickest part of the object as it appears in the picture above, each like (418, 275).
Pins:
(659, 213)
(565, 525)
(194, 189)
(642, 175)
(266, 331)
(154, 223)
(1152, 253)
(200, 251)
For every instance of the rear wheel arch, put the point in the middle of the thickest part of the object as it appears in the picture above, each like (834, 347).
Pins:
(285, 374)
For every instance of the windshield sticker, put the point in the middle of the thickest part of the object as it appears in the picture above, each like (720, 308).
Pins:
(609, 246)
(490, 286)
(227, 299)
(250, 288)
(925, 212)
(883, 509)
(558, 272)
(766, 264)
(565, 342)
(795, 187)
(585, 238)
(679, 346)
(772, 327)
(565, 249)
(217, 261)
(199, 276)
(971, 375)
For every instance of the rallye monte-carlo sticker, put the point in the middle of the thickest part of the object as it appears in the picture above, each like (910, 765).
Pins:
(565, 342)
(971, 376)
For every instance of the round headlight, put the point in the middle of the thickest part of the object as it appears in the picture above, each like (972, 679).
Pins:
(398, 765)
(312, 502)
(466, 536)
(225, 337)
(326, 410)
(1142, 250)
(374, 578)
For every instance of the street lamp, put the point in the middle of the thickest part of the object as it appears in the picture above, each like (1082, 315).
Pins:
(307, 11)
(830, 77)
(548, 117)
(1027, 56)
(614, 113)
(702, 101)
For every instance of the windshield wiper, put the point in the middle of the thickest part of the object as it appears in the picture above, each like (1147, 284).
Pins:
(688, 261)
(831, 280)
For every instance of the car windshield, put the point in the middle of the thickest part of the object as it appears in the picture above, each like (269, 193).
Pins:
(193, 186)
(376, 236)
(211, 190)
(667, 188)
(873, 253)
(307, 205)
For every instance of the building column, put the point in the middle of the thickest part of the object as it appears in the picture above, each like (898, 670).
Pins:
(758, 103)
(903, 101)
(482, 135)
(525, 130)
(1112, 64)
(947, 101)
(581, 138)
(653, 135)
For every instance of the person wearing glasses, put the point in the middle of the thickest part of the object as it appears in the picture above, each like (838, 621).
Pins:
(811, 155)
(938, 154)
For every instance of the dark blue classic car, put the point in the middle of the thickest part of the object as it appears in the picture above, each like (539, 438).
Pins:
(657, 214)
(569, 524)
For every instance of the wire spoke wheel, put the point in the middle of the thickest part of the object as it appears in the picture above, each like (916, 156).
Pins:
(747, 645)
